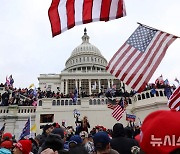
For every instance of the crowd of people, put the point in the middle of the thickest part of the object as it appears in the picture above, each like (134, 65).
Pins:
(61, 139)
(29, 96)
(149, 138)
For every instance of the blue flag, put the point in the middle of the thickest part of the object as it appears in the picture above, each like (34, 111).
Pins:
(26, 130)
(168, 92)
(130, 117)
(153, 91)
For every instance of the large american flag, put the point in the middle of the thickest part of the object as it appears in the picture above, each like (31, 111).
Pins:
(136, 61)
(65, 14)
(174, 99)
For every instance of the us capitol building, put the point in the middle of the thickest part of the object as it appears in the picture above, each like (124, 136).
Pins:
(85, 70)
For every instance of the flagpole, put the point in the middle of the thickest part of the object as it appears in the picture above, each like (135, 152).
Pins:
(149, 27)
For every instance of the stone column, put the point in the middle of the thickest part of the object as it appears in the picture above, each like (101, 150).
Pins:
(112, 82)
(99, 83)
(62, 86)
(76, 83)
(66, 88)
(108, 83)
(80, 83)
(90, 87)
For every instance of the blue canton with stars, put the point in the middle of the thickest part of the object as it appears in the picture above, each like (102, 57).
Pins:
(141, 38)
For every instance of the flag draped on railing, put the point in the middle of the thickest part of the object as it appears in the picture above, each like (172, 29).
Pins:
(138, 58)
(65, 14)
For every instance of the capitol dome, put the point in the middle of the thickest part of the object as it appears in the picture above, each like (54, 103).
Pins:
(85, 57)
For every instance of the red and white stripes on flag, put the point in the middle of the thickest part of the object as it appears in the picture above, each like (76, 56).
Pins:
(174, 99)
(65, 14)
(118, 112)
(136, 61)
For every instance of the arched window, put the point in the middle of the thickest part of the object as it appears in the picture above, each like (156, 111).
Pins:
(147, 95)
(53, 103)
(157, 93)
(143, 96)
(40, 102)
(161, 93)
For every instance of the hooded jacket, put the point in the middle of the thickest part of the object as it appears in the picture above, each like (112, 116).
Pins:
(121, 143)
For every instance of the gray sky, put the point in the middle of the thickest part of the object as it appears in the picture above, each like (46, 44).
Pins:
(27, 48)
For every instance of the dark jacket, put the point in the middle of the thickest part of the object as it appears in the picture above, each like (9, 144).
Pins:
(121, 143)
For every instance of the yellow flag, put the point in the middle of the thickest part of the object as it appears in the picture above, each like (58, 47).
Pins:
(32, 85)
(33, 128)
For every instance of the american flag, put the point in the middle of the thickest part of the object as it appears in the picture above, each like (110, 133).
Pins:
(117, 107)
(65, 14)
(112, 103)
(174, 99)
(118, 112)
(159, 80)
(136, 61)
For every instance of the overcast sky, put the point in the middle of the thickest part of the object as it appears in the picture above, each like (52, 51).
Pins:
(27, 48)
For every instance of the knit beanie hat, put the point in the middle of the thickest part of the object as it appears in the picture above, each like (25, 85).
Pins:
(24, 145)
(160, 132)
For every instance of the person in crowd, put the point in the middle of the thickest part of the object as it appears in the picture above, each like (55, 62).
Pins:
(102, 144)
(75, 145)
(54, 142)
(84, 124)
(160, 133)
(121, 143)
(23, 147)
(5, 99)
(6, 137)
(47, 129)
(35, 144)
(5, 151)
(7, 145)
(87, 142)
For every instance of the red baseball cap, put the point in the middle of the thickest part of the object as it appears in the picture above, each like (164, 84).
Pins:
(7, 135)
(160, 132)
